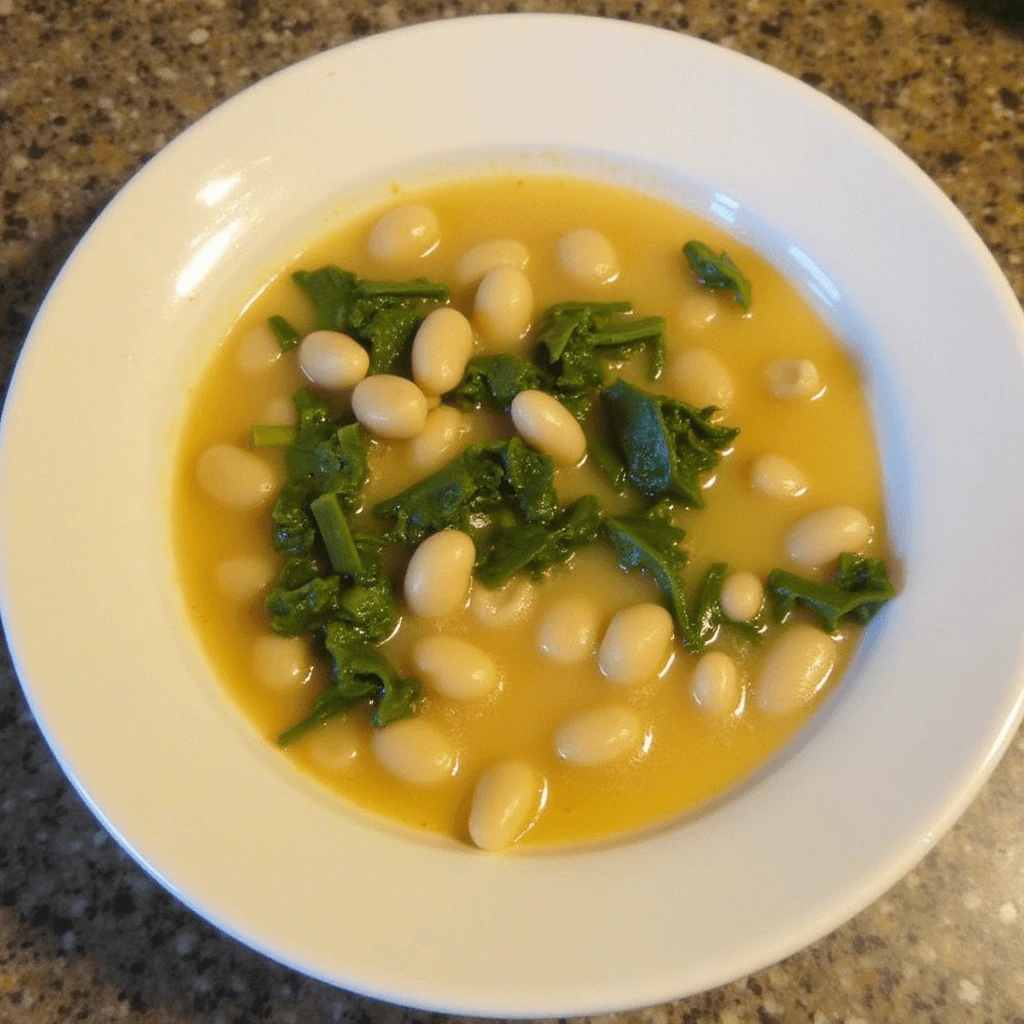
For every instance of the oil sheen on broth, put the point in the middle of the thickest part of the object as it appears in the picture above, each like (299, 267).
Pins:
(668, 742)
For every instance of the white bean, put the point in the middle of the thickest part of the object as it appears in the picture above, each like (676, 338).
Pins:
(568, 630)
(279, 412)
(503, 307)
(697, 311)
(777, 477)
(390, 406)
(820, 537)
(415, 751)
(545, 424)
(715, 684)
(505, 803)
(587, 256)
(334, 746)
(438, 442)
(439, 573)
(281, 662)
(333, 360)
(440, 350)
(234, 477)
(793, 378)
(742, 596)
(795, 668)
(404, 233)
(702, 379)
(258, 350)
(636, 644)
(598, 736)
(454, 667)
(244, 578)
(510, 603)
(499, 252)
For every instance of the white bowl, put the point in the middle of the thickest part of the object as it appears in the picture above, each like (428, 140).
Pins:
(129, 705)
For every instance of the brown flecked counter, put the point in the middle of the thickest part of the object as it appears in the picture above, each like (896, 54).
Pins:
(91, 89)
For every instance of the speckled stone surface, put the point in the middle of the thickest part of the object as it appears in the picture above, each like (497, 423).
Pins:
(89, 90)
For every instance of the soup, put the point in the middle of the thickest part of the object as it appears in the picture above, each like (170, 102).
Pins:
(510, 519)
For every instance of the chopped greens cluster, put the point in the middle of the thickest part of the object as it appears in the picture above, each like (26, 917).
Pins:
(333, 585)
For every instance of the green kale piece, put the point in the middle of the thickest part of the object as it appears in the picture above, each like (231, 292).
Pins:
(273, 436)
(484, 479)
(359, 674)
(336, 534)
(329, 458)
(707, 614)
(368, 606)
(861, 587)
(493, 381)
(718, 272)
(536, 547)
(294, 529)
(666, 444)
(287, 336)
(304, 608)
(649, 541)
(382, 315)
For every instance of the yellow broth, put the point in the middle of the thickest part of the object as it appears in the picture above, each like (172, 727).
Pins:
(688, 755)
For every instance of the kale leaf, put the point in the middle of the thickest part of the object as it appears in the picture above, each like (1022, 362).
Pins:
(294, 530)
(718, 272)
(286, 335)
(493, 381)
(536, 547)
(861, 587)
(485, 478)
(666, 444)
(330, 458)
(707, 614)
(381, 315)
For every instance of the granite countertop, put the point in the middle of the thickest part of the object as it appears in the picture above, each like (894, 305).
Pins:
(89, 90)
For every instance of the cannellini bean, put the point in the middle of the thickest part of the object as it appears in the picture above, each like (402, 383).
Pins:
(636, 644)
(454, 667)
(440, 350)
(415, 751)
(503, 307)
(777, 477)
(697, 311)
(244, 578)
(234, 477)
(333, 360)
(508, 604)
(334, 746)
(281, 662)
(793, 378)
(742, 596)
(587, 256)
(499, 252)
(438, 442)
(505, 803)
(389, 406)
(702, 379)
(279, 412)
(795, 668)
(715, 683)
(545, 424)
(404, 233)
(599, 736)
(258, 350)
(438, 577)
(568, 630)
(820, 537)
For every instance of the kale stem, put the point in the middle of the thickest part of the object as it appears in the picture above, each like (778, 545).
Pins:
(267, 436)
(334, 528)
(419, 289)
(637, 330)
(287, 336)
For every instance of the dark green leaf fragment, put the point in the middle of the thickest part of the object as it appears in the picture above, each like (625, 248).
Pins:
(336, 534)
(666, 444)
(861, 587)
(718, 271)
(493, 381)
(305, 607)
(287, 336)
(333, 292)
(274, 436)
(649, 541)
(707, 615)
(536, 547)
(330, 458)
(294, 530)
